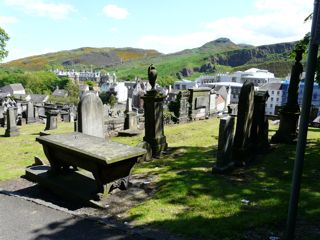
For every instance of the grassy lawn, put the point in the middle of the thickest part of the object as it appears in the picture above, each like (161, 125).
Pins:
(191, 200)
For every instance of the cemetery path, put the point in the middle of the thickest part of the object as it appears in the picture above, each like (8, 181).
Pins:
(28, 213)
(21, 219)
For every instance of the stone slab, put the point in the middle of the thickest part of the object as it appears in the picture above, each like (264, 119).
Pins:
(73, 185)
(129, 133)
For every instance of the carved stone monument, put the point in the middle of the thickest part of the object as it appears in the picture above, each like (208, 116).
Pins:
(153, 113)
(90, 116)
(242, 146)
(12, 129)
(289, 115)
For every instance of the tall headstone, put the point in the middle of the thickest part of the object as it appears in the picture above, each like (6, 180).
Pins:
(225, 142)
(289, 115)
(30, 113)
(260, 125)
(153, 113)
(242, 147)
(12, 129)
(90, 115)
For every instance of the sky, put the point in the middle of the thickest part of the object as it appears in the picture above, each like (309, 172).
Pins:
(42, 26)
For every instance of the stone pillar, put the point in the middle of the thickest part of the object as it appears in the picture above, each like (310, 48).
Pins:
(153, 114)
(130, 121)
(289, 115)
(52, 119)
(12, 129)
(30, 113)
(225, 141)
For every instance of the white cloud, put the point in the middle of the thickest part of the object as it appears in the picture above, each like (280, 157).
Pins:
(115, 12)
(42, 8)
(273, 21)
(6, 20)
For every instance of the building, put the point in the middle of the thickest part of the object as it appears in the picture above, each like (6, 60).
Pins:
(13, 89)
(275, 91)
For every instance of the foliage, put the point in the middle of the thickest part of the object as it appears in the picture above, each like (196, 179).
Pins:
(90, 83)
(109, 98)
(4, 37)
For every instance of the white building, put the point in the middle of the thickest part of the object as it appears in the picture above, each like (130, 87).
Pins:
(184, 84)
(257, 76)
(275, 96)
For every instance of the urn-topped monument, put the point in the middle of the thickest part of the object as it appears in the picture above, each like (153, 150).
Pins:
(153, 113)
(289, 115)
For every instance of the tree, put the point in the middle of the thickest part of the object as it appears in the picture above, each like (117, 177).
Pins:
(4, 37)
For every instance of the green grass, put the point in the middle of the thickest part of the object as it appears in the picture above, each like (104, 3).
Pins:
(190, 200)
(19, 152)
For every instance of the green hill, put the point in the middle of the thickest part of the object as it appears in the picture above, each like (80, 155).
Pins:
(216, 56)
(97, 57)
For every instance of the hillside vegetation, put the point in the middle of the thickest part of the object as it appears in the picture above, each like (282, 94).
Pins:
(222, 54)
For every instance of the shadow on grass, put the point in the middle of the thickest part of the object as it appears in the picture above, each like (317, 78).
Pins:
(213, 205)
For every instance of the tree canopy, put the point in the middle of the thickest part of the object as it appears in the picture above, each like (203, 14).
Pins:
(4, 37)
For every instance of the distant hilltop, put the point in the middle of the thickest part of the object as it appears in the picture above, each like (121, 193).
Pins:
(132, 61)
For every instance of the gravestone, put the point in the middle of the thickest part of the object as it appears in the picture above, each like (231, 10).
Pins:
(2, 116)
(242, 146)
(12, 129)
(199, 103)
(30, 113)
(153, 114)
(289, 114)
(130, 121)
(260, 125)
(225, 141)
(90, 116)
(52, 119)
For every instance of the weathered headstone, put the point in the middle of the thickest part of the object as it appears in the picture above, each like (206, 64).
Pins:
(153, 113)
(30, 113)
(260, 125)
(225, 142)
(90, 116)
(52, 119)
(2, 116)
(130, 121)
(199, 103)
(12, 129)
(242, 146)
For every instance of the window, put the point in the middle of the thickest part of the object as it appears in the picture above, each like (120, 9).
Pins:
(184, 87)
(272, 92)
(278, 92)
(271, 99)
(270, 105)
(277, 99)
